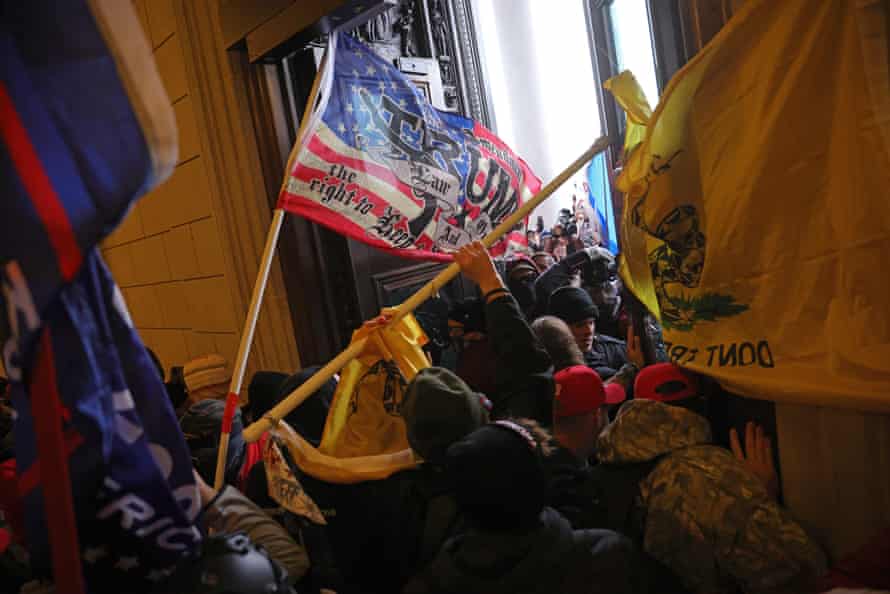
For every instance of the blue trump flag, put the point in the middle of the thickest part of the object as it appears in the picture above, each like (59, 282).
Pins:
(85, 128)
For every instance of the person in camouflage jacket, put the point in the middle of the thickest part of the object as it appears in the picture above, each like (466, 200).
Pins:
(707, 517)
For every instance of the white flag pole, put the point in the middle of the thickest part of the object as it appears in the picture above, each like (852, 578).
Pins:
(259, 287)
(295, 398)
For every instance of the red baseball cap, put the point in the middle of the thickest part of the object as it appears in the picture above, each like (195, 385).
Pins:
(615, 393)
(665, 382)
(581, 391)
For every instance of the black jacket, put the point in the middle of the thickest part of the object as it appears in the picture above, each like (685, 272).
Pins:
(523, 370)
(548, 559)
(607, 497)
(571, 491)
(344, 555)
(417, 513)
(606, 356)
(382, 533)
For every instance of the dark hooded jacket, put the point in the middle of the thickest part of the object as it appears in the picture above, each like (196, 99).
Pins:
(550, 558)
(523, 369)
(571, 491)
(606, 356)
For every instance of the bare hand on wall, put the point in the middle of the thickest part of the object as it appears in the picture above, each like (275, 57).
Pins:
(757, 456)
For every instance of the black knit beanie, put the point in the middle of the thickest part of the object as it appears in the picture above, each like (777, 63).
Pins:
(572, 305)
(499, 477)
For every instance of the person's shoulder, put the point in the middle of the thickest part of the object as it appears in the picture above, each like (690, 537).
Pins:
(561, 456)
(606, 339)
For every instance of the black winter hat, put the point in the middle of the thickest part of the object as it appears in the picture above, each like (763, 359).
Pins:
(499, 477)
(439, 409)
(572, 305)
(262, 392)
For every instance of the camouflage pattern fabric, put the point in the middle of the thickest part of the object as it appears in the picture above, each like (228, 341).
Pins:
(708, 518)
(645, 429)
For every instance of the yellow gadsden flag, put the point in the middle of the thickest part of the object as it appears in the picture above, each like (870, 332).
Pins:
(365, 417)
(364, 437)
(756, 222)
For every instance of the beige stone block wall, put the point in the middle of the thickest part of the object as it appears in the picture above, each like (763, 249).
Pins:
(167, 255)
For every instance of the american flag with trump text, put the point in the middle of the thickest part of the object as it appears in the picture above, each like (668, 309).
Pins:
(378, 163)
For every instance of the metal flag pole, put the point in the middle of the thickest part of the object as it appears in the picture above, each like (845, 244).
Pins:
(256, 429)
(259, 290)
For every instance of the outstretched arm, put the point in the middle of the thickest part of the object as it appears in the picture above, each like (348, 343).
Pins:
(522, 365)
(593, 263)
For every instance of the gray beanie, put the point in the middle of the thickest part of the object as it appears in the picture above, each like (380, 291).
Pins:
(440, 409)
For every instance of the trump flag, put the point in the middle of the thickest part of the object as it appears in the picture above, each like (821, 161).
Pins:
(85, 128)
(378, 163)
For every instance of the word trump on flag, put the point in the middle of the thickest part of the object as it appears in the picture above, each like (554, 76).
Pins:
(378, 163)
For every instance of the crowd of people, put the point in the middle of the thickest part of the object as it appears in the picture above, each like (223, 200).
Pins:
(573, 230)
(552, 459)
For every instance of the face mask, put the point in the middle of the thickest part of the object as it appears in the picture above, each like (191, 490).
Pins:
(524, 292)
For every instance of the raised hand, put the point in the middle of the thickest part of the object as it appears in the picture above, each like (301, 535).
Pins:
(757, 456)
(634, 351)
(476, 264)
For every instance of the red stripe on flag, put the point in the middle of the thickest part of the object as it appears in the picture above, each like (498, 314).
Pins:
(58, 502)
(379, 203)
(30, 479)
(229, 412)
(480, 131)
(313, 210)
(341, 222)
(307, 174)
(322, 150)
(529, 178)
(39, 188)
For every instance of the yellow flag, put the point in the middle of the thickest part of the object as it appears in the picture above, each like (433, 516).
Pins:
(365, 417)
(630, 96)
(757, 220)
(351, 470)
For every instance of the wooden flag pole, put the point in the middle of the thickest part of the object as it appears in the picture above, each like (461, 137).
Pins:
(295, 398)
(256, 300)
(259, 290)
